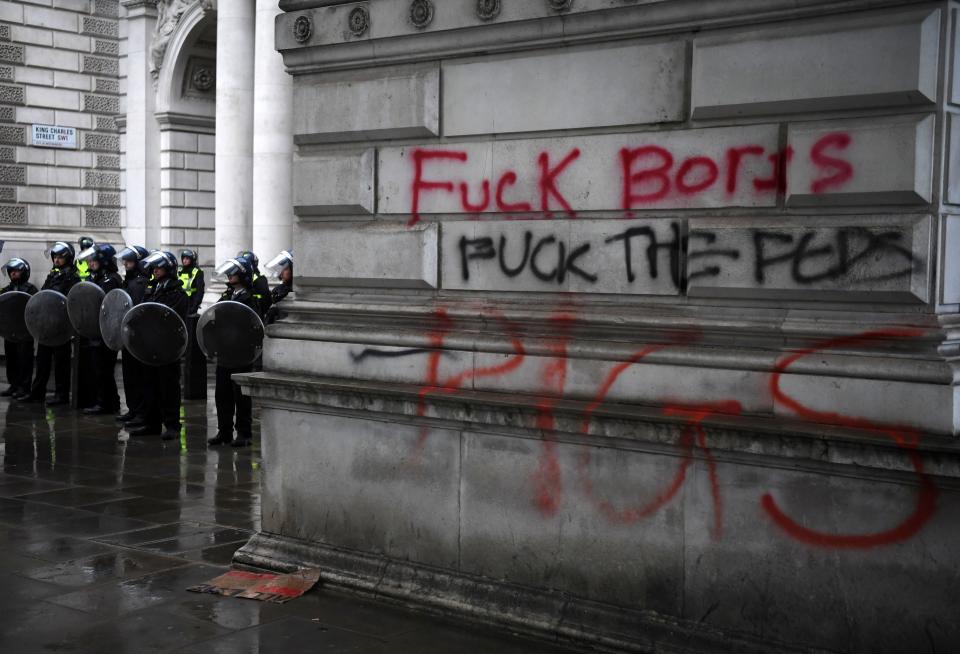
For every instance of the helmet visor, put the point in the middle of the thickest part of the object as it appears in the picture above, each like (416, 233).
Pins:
(87, 255)
(154, 260)
(128, 254)
(230, 267)
(279, 262)
(61, 249)
(15, 263)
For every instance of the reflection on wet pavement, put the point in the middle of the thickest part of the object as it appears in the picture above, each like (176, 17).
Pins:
(100, 535)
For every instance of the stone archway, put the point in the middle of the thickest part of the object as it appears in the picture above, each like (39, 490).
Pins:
(183, 60)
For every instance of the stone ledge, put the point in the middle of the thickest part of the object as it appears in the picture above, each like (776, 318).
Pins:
(567, 29)
(553, 615)
(759, 440)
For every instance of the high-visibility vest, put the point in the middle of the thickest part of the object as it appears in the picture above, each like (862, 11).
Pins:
(186, 278)
(82, 271)
(259, 296)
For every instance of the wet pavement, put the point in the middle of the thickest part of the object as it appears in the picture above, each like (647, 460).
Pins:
(101, 534)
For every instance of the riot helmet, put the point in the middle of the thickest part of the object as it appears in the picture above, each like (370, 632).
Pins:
(133, 253)
(86, 242)
(101, 253)
(161, 260)
(251, 258)
(17, 264)
(279, 263)
(188, 254)
(62, 249)
(239, 267)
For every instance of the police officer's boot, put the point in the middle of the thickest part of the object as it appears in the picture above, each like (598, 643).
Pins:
(222, 438)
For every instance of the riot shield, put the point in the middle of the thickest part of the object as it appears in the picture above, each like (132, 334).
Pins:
(154, 334)
(83, 307)
(115, 306)
(12, 325)
(47, 319)
(231, 334)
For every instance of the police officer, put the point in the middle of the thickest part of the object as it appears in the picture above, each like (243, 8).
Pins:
(282, 266)
(229, 399)
(83, 272)
(191, 278)
(102, 267)
(259, 285)
(162, 387)
(135, 284)
(61, 278)
(19, 356)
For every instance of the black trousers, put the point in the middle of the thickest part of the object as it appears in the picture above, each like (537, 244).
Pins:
(88, 374)
(134, 377)
(162, 395)
(230, 402)
(105, 366)
(57, 358)
(19, 362)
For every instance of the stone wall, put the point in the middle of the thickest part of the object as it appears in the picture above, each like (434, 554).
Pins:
(619, 321)
(59, 64)
(187, 192)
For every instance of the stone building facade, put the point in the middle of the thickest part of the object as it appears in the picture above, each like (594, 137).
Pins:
(631, 322)
(138, 82)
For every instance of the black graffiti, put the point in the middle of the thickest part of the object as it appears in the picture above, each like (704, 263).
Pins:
(533, 258)
(377, 353)
(848, 247)
(808, 257)
(673, 247)
(708, 239)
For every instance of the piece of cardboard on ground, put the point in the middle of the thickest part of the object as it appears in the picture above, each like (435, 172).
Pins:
(263, 586)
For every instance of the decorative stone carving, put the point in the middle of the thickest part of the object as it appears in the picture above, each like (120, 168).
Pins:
(102, 218)
(488, 9)
(560, 5)
(421, 13)
(359, 21)
(200, 78)
(302, 29)
(203, 78)
(13, 215)
(169, 13)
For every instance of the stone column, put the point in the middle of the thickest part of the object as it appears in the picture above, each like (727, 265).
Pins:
(272, 141)
(142, 130)
(234, 143)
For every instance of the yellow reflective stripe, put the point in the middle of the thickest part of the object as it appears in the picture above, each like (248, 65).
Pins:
(187, 280)
(82, 269)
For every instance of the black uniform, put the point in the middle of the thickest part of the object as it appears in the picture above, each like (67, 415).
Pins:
(134, 372)
(261, 293)
(61, 280)
(19, 356)
(229, 399)
(162, 387)
(191, 277)
(105, 359)
(277, 294)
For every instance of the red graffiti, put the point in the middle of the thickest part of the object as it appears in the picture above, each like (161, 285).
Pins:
(778, 178)
(650, 174)
(905, 438)
(548, 181)
(693, 442)
(509, 178)
(553, 378)
(420, 156)
(657, 173)
(840, 170)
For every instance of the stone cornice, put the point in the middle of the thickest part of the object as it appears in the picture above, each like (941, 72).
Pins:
(315, 54)
(813, 446)
(137, 8)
